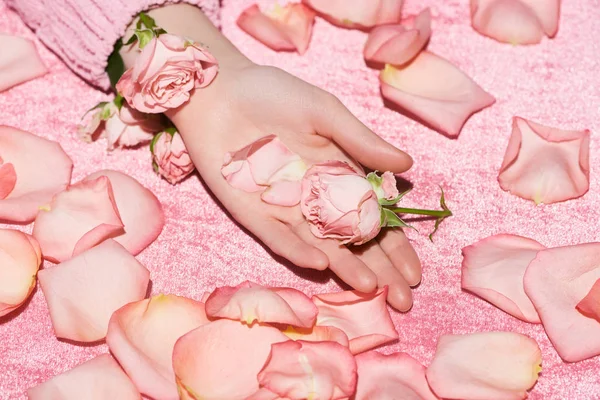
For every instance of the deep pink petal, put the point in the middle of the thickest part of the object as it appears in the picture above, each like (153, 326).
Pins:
(544, 164)
(42, 169)
(305, 370)
(488, 365)
(318, 334)
(393, 376)
(493, 269)
(435, 91)
(140, 210)
(98, 379)
(19, 264)
(556, 281)
(77, 219)
(249, 302)
(590, 305)
(83, 292)
(19, 61)
(221, 360)
(8, 179)
(142, 335)
(363, 317)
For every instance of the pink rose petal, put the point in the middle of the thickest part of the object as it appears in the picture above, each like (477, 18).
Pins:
(488, 365)
(138, 207)
(286, 28)
(398, 44)
(394, 376)
(590, 305)
(318, 334)
(41, 167)
(493, 269)
(358, 14)
(283, 193)
(142, 335)
(556, 281)
(19, 61)
(8, 179)
(544, 164)
(221, 360)
(77, 219)
(19, 264)
(435, 91)
(98, 379)
(363, 317)
(309, 370)
(83, 293)
(249, 302)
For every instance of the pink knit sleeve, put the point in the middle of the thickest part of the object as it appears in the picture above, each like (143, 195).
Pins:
(83, 32)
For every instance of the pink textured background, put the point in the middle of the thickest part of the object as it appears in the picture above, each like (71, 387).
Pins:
(555, 83)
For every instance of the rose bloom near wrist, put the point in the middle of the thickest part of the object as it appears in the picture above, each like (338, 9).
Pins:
(340, 203)
(167, 69)
(170, 157)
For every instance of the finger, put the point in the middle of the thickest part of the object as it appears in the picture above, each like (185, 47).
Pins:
(341, 261)
(284, 242)
(399, 293)
(336, 122)
(404, 257)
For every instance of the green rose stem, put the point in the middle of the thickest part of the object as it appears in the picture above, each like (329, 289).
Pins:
(417, 211)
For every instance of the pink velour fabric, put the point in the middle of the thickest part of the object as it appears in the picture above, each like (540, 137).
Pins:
(555, 83)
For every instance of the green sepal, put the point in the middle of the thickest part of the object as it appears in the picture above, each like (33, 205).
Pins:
(146, 20)
(171, 130)
(155, 167)
(97, 106)
(106, 113)
(159, 31)
(374, 179)
(153, 141)
(393, 201)
(144, 37)
(439, 220)
(115, 67)
(118, 101)
(389, 219)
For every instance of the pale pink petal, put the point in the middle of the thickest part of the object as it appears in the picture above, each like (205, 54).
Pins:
(286, 28)
(358, 13)
(221, 360)
(42, 169)
(317, 334)
(398, 44)
(19, 61)
(364, 317)
(556, 281)
(544, 164)
(493, 269)
(434, 90)
(83, 292)
(249, 302)
(283, 193)
(590, 305)
(101, 378)
(548, 12)
(19, 263)
(264, 394)
(309, 370)
(393, 376)
(488, 365)
(142, 335)
(140, 210)
(77, 219)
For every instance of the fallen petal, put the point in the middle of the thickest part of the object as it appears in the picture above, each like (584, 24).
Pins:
(83, 292)
(556, 281)
(42, 169)
(19, 264)
(8, 179)
(139, 209)
(544, 164)
(359, 14)
(249, 302)
(363, 317)
(309, 370)
(141, 336)
(394, 376)
(77, 219)
(435, 91)
(398, 44)
(98, 379)
(317, 334)
(283, 193)
(488, 365)
(19, 61)
(221, 360)
(493, 269)
(590, 305)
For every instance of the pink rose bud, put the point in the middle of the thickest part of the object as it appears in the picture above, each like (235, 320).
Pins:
(170, 157)
(340, 203)
(166, 71)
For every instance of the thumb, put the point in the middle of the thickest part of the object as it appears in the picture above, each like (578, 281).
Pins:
(336, 122)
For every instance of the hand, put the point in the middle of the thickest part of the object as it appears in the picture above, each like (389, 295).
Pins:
(250, 101)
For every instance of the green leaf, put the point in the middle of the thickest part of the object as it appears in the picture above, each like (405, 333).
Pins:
(119, 101)
(131, 40)
(115, 67)
(146, 20)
